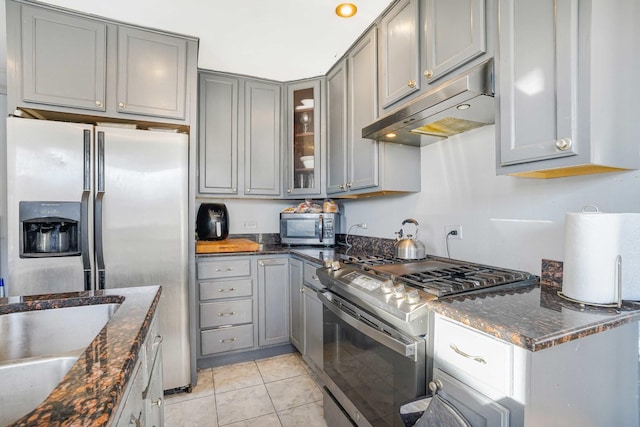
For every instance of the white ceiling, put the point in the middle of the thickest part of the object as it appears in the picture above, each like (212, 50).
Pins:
(276, 39)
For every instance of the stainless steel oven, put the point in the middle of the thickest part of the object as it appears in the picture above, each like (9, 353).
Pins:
(370, 368)
(377, 324)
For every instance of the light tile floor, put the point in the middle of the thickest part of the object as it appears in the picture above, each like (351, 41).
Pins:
(274, 392)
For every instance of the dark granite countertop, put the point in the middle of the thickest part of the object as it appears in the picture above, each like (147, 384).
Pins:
(92, 390)
(533, 317)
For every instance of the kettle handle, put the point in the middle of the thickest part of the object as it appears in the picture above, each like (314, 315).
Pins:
(411, 221)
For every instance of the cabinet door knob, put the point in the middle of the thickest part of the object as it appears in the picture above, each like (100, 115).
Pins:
(157, 402)
(98, 103)
(564, 144)
(435, 385)
(349, 184)
(121, 105)
(235, 190)
(289, 191)
(341, 186)
(248, 190)
(428, 73)
(411, 83)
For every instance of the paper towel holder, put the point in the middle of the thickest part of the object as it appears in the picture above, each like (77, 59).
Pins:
(617, 304)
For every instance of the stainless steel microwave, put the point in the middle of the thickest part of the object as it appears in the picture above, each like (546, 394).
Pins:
(309, 228)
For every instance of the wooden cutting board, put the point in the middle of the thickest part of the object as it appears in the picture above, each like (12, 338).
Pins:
(226, 245)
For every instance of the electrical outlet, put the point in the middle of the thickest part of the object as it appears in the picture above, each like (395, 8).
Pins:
(250, 225)
(453, 232)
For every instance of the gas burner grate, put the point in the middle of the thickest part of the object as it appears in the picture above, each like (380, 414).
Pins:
(454, 280)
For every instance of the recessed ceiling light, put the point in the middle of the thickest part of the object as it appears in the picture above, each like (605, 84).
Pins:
(463, 106)
(346, 10)
(391, 135)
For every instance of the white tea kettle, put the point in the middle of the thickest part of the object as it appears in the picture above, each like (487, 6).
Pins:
(409, 247)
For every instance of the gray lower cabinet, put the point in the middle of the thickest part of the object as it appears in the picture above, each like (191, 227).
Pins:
(73, 63)
(239, 147)
(306, 312)
(226, 304)
(142, 402)
(564, 78)
(273, 300)
(358, 166)
(492, 381)
(242, 304)
(296, 298)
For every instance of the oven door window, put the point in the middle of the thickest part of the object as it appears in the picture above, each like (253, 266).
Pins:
(375, 378)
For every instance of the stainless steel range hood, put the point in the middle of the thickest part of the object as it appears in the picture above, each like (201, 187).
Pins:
(461, 104)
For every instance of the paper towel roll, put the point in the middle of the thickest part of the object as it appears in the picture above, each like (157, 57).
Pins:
(593, 241)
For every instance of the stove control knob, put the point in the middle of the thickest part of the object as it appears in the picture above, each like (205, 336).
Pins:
(412, 297)
(398, 291)
(387, 286)
(327, 263)
(335, 265)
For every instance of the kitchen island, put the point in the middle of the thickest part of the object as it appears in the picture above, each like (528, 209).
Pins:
(93, 390)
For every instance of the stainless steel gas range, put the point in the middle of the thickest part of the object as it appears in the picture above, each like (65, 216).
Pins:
(376, 329)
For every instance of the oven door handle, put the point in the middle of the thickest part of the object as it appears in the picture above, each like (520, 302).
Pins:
(407, 350)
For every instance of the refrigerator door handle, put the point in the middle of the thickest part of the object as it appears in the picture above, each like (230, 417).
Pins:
(98, 214)
(84, 210)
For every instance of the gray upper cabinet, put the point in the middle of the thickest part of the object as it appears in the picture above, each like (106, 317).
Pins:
(152, 73)
(65, 59)
(66, 62)
(362, 154)
(262, 138)
(353, 161)
(454, 34)
(337, 128)
(358, 166)
(304, 139)
(218, 134)
(399, 68)
(240, 136)
(564, 79)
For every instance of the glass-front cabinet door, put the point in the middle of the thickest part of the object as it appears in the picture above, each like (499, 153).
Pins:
(303, 147)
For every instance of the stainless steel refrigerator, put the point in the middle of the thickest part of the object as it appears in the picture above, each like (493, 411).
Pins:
(94, 207)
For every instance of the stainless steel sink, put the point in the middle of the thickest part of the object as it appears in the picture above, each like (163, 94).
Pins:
(38, 348)
(25, 383)
(51, 332)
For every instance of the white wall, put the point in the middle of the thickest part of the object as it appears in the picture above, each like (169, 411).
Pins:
(264, 213)
(506, 221)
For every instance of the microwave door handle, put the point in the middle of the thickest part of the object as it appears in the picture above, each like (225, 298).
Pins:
(320, 227)
(407, 350)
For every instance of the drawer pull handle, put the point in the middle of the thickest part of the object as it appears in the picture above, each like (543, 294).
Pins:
(229, 340)
(227, 290)
(478, 359)
(226, 314)
(157, 402)
(225, 269)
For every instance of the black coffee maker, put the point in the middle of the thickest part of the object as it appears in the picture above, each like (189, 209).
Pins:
(212, 222)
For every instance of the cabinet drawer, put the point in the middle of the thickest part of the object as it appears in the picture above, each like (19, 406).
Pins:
(226, 339)
(224, 268)
(477, 359)
(226, 289)
(214, 314)
(311, 277)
